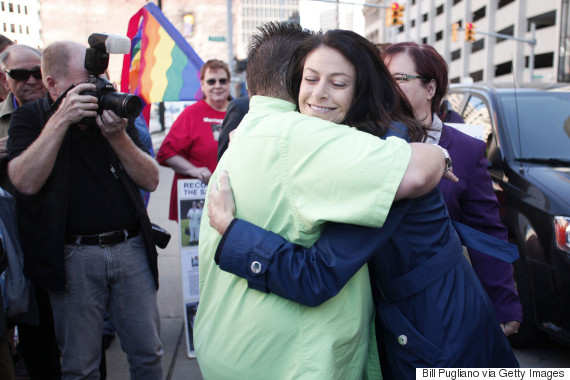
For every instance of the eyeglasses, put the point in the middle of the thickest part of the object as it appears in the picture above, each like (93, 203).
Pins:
(212, 82)
(23, 74)
(401, 78)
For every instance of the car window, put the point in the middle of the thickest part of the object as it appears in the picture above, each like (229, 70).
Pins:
(544, 122)
(477, 112)
(455, 101)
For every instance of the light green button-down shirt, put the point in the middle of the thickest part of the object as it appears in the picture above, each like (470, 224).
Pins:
(290, 174)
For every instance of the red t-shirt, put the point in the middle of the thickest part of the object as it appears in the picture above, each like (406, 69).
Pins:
(194, 136)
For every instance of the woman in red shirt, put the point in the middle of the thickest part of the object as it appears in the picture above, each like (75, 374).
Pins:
(191, 145)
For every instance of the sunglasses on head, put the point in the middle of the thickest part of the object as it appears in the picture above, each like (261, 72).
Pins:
(23, 74)
(212, 82)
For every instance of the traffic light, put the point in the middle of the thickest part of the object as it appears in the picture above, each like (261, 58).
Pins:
(394, 14)
(397, 14)
(454, 28)
(469, 32)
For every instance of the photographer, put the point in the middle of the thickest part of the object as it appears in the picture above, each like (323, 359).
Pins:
(85, 231)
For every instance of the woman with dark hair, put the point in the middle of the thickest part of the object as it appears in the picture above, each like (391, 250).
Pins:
(422, 75)
(374, 107)
(431, 309)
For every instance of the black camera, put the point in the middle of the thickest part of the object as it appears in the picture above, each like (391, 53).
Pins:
(96, 62)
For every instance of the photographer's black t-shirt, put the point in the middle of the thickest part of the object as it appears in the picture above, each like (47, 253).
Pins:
(98, 202)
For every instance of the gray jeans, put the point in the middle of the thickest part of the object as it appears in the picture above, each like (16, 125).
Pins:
(117, 277)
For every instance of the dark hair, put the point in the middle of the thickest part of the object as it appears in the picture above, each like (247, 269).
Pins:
(5, 42)
(377, 98)
(267, 61)
(429, 64)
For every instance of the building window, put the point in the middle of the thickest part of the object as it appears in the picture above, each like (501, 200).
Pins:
(25, 9)
(503, 68)
(20, 29)
(456, 54)
(455, 80)
(502, 3)
(456, 1)
(544, 20)
(27, 29)
(401, 29)
(439, 35)
(425, 17)
(479, 14)
(10, 7)
(413, 23)
(478, 45)
(413, 2)
(439, 10)
(19, 8)
(541, 61)
(13, 28)
(424, 40)
(477, 76)
(3, 6)
(5, 27)
(509, 30)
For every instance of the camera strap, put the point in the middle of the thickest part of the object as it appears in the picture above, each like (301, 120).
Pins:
(58, 101)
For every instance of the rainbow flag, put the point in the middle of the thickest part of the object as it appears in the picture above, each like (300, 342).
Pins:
(162, 66)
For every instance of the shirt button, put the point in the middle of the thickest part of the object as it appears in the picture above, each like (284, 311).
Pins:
(256, 267)
(403, 340)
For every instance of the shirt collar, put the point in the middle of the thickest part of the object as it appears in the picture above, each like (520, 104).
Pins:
(434, 134)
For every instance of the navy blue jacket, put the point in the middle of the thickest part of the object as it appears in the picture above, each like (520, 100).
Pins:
(432, 310)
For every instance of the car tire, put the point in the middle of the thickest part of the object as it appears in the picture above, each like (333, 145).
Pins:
(528, 335)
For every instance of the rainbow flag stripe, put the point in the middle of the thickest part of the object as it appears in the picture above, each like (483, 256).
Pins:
(162, 66)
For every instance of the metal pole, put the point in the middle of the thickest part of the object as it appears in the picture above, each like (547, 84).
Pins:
(161, 107)
(230, 38)
(337, 15)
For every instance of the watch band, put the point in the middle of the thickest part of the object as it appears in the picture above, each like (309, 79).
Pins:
(447, 158)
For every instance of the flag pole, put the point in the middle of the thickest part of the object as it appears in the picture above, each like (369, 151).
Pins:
(161, 104)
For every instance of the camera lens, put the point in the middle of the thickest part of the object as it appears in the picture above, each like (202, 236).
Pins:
(124, 105)
(132, 106)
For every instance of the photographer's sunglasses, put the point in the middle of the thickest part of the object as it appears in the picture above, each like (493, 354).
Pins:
(212, 82)
(23, 74)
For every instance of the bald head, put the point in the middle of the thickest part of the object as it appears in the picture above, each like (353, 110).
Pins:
(14, 51)
(63, 64)
(59, 57)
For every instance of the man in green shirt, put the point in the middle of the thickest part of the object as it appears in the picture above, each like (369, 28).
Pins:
(290, 173)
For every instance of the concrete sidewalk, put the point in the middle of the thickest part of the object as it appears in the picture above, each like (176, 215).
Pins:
(176, 364)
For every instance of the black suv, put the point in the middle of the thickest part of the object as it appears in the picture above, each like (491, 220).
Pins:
(527, 130)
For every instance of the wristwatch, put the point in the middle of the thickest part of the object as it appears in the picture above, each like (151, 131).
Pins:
(447, 159)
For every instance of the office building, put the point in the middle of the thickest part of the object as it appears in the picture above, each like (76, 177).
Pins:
(489, 57)
(20, 21)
